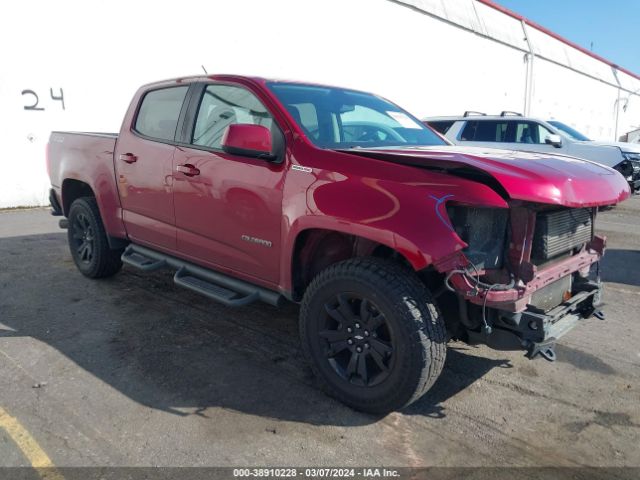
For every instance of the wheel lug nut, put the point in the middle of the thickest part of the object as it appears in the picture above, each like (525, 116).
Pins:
(358, 349)
(366, 345)
(366, 333)
(349, 329)
(350, 342)
(357, 325)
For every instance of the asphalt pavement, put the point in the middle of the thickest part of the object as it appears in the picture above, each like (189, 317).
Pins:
(133, 371)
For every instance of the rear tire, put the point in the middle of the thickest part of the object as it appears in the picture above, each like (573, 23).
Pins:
(372, 333)
(88, 241)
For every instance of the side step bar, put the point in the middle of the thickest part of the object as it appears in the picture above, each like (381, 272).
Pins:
(227, 290)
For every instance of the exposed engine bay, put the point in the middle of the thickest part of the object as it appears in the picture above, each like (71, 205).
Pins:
(528, 278)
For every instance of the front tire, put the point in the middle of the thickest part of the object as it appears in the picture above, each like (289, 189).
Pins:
(88, 241)
(372, 333)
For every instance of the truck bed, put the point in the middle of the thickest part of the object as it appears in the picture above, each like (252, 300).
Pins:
(90, 134)
(86, 158)
(75, 152)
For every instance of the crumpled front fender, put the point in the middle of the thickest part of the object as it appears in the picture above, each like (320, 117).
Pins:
(415, 212)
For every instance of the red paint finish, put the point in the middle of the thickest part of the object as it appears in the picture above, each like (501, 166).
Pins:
(243, 215)
(144, 172)
(527, 176)
(146, 190)
(232, 198)
(247, 137)
(87, 159)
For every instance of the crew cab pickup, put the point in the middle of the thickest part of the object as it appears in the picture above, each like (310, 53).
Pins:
(393, 241)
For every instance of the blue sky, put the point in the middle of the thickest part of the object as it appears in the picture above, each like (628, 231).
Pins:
(611, 25)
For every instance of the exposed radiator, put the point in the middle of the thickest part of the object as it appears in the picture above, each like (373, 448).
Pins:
(559, 231)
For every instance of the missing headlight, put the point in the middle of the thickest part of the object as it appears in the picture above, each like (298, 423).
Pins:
(484, 231)
(630, 167)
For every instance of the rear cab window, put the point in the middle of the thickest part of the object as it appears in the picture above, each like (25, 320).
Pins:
(159, 111)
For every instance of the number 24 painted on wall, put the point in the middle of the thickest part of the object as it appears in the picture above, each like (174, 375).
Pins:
(34, 104)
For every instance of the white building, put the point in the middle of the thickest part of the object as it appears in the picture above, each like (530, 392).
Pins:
(74, 65)
(632, 136)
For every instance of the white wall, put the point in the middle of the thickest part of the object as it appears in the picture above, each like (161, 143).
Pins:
(634, 137)
(433, 58)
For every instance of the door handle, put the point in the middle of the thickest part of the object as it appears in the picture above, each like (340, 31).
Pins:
(128, 157)
(188, 169)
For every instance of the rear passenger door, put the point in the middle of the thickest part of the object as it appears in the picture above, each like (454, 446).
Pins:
(144, 167)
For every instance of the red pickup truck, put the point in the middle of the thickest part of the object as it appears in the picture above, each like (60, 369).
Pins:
(392, 240)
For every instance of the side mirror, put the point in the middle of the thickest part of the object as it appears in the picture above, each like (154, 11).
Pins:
(554, 139)
(248, 141)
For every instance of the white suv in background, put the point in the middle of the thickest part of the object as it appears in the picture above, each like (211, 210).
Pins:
(512, 131)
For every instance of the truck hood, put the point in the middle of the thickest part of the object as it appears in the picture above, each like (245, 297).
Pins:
(526, 176)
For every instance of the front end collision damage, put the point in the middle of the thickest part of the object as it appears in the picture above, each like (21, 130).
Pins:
(629, 168)
(515, 288)
(482, 246)
(511, 298)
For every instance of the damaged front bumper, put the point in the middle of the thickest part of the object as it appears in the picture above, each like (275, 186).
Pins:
(531, 278)
(536, 331)
(535, 311)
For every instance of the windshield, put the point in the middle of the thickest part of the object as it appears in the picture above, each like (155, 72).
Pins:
(337, 118)
(568, 131)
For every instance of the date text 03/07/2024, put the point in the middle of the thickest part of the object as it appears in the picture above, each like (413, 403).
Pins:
(329, 472)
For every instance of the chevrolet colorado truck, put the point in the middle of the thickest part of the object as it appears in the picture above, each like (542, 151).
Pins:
(392, 240)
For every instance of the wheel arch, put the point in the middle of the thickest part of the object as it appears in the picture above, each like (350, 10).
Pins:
(316, 248)
(73, 189)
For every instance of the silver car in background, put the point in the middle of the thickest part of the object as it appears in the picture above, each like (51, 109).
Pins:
(512, 131)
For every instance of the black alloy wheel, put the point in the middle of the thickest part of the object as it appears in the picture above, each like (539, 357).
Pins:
(372, 334)
(359, 344)
(83, 236)
(88, 242)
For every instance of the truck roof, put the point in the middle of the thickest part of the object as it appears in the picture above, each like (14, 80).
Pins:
(236, 77)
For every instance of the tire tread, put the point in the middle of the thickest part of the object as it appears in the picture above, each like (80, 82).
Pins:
(419, 313)
(108, 260)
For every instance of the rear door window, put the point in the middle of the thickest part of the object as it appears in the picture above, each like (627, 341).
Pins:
(486, 131)
(159, 111)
